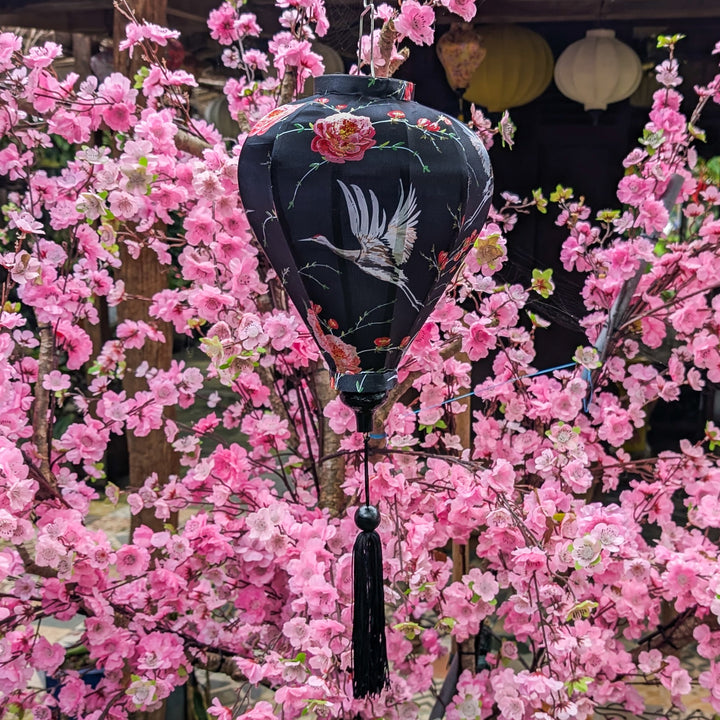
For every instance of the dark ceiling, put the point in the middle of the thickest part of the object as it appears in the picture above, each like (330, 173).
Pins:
(188, 16)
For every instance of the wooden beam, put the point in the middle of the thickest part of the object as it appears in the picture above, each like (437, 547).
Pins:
(92, 21)
(461, 553)
(191, 17)
(95, 16)
(527, 11)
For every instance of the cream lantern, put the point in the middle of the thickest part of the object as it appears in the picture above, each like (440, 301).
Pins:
(598, 70)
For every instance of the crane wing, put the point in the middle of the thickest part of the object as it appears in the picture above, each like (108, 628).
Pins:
(366, 223)
(401, 234)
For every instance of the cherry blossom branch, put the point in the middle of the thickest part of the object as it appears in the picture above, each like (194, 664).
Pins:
(399, 390)
(41, 423)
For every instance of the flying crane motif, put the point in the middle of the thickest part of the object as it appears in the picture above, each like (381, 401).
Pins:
(384, 246)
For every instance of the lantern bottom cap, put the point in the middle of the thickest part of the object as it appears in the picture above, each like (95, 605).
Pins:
(366, 382)
(364, 392)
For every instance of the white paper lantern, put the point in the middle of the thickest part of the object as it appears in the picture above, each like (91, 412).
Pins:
(598, 70)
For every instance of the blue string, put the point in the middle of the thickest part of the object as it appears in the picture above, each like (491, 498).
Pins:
(497, 385)
(380, 436)
(587, 377)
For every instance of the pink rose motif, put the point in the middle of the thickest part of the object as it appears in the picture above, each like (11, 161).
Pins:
(343, 137)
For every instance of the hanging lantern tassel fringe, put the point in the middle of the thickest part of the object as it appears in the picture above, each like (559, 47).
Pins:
(371, 674)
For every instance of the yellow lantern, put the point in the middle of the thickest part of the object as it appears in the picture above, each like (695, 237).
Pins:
(598, 70)
(517, 68)
(460, 51)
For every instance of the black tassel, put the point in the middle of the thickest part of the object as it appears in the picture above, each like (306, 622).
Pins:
(371, 674)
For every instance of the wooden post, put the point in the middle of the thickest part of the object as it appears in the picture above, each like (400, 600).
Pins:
(461, 553)
(154, 11)
(82, 47)
(461, 564)
(144, 277)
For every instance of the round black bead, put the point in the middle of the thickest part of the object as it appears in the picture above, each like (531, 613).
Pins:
(367, 517)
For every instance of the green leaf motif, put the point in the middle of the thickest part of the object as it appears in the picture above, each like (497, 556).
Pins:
(542, 282)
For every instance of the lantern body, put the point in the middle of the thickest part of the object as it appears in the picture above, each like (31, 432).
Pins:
(365, 203)
(460, 51)
(517, 68)
(598, 70)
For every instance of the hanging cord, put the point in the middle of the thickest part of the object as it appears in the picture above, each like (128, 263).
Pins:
(371, 674)
(366, 463)
(369, 6)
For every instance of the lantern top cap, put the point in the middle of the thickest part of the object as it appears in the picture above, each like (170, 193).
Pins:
(365, 85)
(600, 32)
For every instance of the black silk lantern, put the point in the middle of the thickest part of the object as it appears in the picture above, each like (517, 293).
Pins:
(365, 203)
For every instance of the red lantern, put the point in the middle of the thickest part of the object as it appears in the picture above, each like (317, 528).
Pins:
(460, 51)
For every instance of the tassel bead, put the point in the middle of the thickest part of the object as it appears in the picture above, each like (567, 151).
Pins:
(367, 517)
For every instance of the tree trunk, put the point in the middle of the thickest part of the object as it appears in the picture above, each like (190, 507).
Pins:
(332, 471)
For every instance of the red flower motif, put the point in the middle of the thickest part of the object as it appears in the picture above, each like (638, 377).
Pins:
(344, 355)
(442, 259)
(409, 88)
(340, 107)
(382, 342)
(396, 114)
(333, 324)
(343, 137)
(426, 124)
(274, 116)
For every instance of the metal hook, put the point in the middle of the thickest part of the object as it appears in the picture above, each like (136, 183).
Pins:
(369, 6)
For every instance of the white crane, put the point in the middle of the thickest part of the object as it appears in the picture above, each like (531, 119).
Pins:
(384, 246)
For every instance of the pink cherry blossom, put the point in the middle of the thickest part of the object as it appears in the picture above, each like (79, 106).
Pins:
(415, 22)
(464, 8)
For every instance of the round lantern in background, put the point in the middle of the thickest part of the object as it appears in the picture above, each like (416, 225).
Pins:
(217, 112)
(598, 70)
(332, 61)
(517, 68)
(460, 51)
